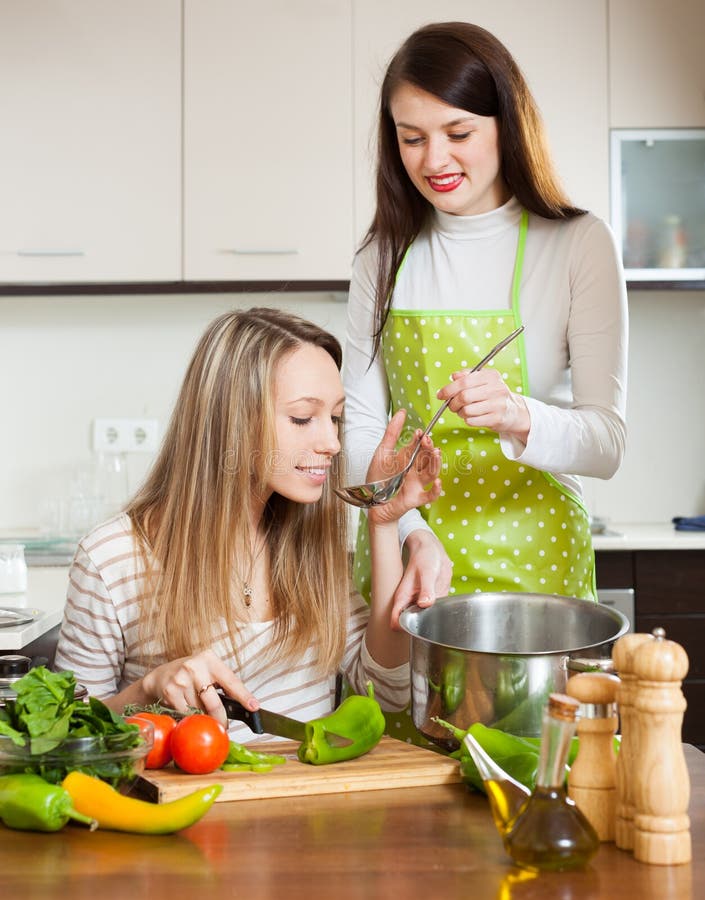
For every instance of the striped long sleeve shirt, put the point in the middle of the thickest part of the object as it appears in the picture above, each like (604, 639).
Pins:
(100, 642)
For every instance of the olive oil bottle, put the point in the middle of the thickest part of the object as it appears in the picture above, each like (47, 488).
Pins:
(506, 795)
(549, 831)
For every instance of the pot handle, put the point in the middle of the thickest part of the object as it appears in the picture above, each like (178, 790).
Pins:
(585, 664)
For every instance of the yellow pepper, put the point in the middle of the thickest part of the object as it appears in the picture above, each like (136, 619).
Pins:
(116, 812)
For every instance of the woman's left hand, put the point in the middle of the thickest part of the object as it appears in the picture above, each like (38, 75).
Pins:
(421, 484)
(483, 400)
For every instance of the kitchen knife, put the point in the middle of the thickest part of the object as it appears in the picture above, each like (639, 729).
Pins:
(263, 721)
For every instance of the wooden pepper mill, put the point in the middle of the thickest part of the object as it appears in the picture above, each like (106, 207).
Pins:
(592, 780)
(661, 780)
(623, 659)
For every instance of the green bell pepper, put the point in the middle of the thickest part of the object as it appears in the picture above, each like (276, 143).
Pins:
(359, 718)
(453, 679)
(29, 803)
(511, 687)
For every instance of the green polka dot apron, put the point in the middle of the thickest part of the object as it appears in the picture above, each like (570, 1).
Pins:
(505, 525)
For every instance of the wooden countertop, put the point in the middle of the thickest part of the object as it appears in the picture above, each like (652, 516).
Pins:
(421, 842)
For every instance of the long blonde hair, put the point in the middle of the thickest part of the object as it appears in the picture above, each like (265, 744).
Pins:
(192, 515)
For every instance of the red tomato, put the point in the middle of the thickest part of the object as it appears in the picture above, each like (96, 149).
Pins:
(199, 744)
(163, 725)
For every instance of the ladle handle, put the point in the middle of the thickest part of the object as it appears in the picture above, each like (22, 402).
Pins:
(427, 430)
(483, 362)
(495, 350)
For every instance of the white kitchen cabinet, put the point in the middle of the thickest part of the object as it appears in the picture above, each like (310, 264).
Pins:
(657, 63)
(267, 140)
(562, 51)
(658, 213)
(90, 151)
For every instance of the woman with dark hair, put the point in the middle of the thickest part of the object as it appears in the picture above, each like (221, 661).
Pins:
(230, 565)
(472, 236)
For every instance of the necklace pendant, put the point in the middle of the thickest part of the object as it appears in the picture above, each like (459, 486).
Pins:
(247, 594)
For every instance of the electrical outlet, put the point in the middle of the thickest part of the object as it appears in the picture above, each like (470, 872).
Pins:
(126, 435)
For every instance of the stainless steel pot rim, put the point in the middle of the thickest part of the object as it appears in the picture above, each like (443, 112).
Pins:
(413, 615)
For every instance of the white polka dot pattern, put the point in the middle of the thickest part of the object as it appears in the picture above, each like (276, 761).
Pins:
(505, 525)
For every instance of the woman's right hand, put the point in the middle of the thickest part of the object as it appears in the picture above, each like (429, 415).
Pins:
(482, 399)
(191, 681)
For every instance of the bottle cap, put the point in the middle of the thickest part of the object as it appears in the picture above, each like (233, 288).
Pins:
(561, 706)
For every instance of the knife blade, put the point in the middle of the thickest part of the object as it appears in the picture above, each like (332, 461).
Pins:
(264, 721)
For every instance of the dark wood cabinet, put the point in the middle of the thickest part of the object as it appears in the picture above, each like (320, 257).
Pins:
(669, 589)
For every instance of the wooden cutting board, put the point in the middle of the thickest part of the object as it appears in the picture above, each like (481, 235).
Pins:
(390, 764)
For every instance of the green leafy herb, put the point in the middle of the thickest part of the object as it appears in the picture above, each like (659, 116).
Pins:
(133, 708)
(46, 718)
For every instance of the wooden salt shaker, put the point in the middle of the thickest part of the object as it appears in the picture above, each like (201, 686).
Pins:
(623, 659)
(661, 780)
(592, 780)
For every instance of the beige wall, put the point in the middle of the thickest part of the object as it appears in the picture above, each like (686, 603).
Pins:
(67, 360)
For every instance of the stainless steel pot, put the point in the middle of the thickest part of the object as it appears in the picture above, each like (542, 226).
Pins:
(13, 667)
(495, 658)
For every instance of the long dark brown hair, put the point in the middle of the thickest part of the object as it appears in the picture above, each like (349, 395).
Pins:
(192, 516)
(466, 67)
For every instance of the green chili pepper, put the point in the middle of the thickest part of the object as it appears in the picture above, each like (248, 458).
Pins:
(242, 759)
(517, 756)
(358, 718)
(525, 716)
(247, 767)
(574, 745)
(29, 803)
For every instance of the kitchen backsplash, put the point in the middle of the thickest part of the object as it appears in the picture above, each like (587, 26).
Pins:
(65, 361)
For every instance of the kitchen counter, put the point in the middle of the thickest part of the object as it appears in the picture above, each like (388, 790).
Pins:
(420, 842)
(647, 536)
(46, 596)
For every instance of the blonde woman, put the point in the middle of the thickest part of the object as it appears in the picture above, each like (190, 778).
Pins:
(229, 567)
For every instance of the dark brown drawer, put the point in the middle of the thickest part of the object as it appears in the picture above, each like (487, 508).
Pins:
(694, 720)
(671, 581)
(614, 568)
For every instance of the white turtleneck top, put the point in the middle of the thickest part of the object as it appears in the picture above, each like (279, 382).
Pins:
(572, 302)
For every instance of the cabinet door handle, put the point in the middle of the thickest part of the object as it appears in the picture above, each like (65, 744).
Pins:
(260, 251)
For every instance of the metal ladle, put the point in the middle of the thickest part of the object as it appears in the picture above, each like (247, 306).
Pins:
(377, 493)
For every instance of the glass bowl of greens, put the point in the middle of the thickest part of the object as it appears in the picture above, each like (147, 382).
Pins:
(115, 758)
(45, 729)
